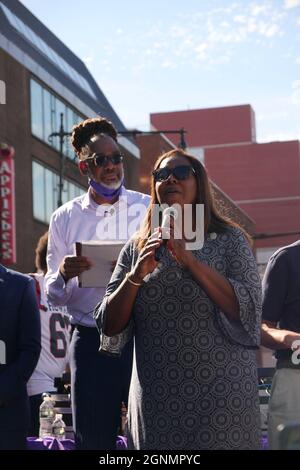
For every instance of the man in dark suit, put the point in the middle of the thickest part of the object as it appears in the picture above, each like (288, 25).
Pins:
(20, 334)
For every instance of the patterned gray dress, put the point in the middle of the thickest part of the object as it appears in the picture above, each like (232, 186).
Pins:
(194, 380)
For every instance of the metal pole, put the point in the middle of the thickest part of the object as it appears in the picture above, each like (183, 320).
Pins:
(62, 134)
(182, 143)
(61, 160)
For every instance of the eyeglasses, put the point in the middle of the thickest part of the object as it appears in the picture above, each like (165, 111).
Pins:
(181, 172)
(101, 160)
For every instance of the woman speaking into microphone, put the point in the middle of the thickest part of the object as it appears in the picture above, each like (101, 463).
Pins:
(195, 316)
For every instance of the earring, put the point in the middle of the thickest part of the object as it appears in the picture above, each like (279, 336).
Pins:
(83, 167)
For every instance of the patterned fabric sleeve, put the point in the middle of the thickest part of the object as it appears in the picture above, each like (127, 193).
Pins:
(242, 273)
(113, 345)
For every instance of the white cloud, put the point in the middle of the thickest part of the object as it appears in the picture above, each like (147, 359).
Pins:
(256, 9)
(261, 20)
(220, 59)
(178, 31)
(240, 19)
(168, 65)
(188, 42)
(108, 49)
(291, 3)
(88, 61)
(225, 24)
(271, 30)
(210, 37)
(200, 49)
(150, 52)
(198, 37)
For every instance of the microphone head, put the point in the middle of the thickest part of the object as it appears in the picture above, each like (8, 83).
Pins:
(167, 214)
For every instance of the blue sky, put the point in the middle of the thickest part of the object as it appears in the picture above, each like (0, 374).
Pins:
(175, 55)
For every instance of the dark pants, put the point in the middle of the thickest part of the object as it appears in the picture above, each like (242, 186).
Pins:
(99, 384)
(35, 402)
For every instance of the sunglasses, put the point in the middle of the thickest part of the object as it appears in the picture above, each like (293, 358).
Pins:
(181, 172)
(101, 160)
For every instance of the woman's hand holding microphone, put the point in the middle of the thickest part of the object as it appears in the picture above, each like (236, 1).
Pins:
(146, 262)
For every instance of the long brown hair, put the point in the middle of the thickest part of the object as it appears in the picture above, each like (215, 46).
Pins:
(213, 220)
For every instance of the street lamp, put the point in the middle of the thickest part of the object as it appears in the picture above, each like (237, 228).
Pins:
(61, 134)
(182, 131)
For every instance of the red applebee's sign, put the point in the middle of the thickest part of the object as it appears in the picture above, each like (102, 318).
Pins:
(7, 205)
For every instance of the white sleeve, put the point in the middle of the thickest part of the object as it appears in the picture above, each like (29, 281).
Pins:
(58, 292)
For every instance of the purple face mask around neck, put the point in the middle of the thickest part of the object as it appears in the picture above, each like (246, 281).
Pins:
(104, 192)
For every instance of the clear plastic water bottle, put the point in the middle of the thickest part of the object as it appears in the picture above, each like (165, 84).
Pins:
(46, 416)
(59, 428)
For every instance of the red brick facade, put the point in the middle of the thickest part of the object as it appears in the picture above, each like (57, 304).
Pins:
(262, 179)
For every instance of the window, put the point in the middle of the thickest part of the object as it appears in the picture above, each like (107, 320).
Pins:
(47, 112)
(36, 99)
(45, 117)
(38, 192)
(45, 191)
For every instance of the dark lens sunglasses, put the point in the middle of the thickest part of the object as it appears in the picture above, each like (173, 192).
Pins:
(181, 172)
(101, 160)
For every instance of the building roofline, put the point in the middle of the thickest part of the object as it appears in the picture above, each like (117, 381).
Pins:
(39, 65)
(99, 104)
(228, 198)
(246, 105)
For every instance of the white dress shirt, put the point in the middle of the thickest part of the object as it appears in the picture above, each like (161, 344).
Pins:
(84, 219)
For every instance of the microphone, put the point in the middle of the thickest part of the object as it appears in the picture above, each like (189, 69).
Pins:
(168, 213)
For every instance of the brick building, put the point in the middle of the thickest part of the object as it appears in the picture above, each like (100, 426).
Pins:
(151, 146)
(262, 179)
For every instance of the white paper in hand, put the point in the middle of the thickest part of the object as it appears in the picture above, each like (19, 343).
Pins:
(102, 253)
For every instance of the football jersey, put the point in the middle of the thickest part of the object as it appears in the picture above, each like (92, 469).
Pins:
(55, 340)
